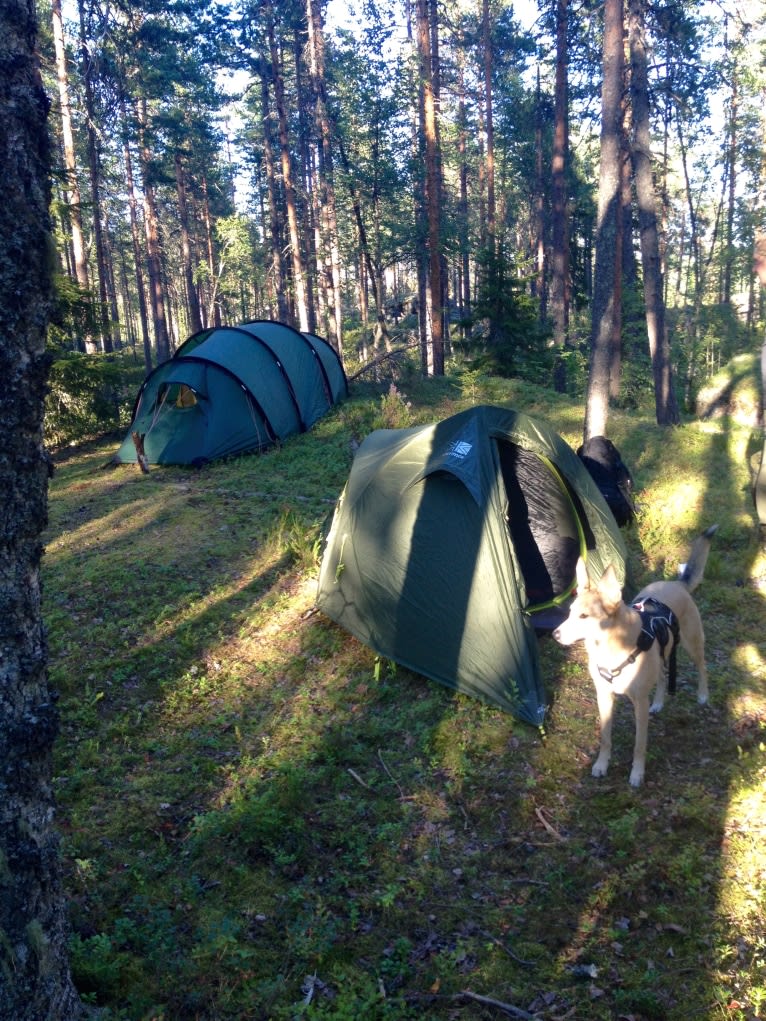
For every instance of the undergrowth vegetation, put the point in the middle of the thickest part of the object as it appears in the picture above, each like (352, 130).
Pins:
(262, 820)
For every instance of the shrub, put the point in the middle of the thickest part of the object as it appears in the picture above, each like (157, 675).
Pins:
(88, 395)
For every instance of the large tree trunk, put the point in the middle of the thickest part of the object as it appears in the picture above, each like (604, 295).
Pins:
(70, 163)
(666, 407)
(275, 242)
(135, 235)
(152, 231)
(299, 283)
(606, 291)
(463, 293)
(94, 170)
(192, 298)
(326, 176)
(35, 984)
(489, 125)
(432, 189)
(559, 296)
(540, 288)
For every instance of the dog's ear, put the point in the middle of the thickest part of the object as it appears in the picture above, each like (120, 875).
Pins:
(581, 573)
(609, 589)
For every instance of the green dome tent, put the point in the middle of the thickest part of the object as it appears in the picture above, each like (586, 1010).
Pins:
(233, 389)
(451, 543)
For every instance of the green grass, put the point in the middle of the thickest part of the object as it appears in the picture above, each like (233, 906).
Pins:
(261, 820)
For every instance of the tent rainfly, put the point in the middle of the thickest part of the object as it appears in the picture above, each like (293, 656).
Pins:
(452, 544)
(233, 389)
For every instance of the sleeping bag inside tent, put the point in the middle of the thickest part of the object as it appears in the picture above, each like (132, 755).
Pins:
(452, 543)
(234, 389)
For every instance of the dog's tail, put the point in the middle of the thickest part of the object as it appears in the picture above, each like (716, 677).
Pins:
(690, 573)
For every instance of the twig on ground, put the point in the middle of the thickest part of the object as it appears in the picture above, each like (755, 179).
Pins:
(553, 832)
(507, 1008)
(391, 776)
(505, 949)
(358, 778)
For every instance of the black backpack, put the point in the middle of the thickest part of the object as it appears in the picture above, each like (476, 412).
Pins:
(611, 475)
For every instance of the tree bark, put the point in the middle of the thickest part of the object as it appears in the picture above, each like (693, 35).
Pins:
(70, 163)
(326, 176)
(299, 283)
(275, 243)
(559, 296)
(152, 232)
(489, 123)
(606, 292)
(192, 298)
(94, 170)
(666, 407)
(432, 189)
(34, 973)
(135, 235)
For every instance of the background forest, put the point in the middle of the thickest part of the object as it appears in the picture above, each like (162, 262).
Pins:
(405, 176)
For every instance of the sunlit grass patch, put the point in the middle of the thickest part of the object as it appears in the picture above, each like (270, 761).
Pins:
(256, 809)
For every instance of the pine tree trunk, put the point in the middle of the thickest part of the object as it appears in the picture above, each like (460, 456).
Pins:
(666, 408)
(35, 984)
(541, 289)
(271, 190)
(606, 302)
(434, 288)
(291, 204)
(489, 120)
(463, 294)
(137, 249)
(94, 172)
(559, 295)
(214, 315)
(152, 232)
(70, 162)
(326, 175)
(192, 298)
(728, 266)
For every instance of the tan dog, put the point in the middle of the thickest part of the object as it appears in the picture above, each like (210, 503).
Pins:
(629, 648)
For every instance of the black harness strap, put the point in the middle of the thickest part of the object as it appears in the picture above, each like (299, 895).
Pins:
(658, 623)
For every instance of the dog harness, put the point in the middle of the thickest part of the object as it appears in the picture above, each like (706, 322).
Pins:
(658, 623)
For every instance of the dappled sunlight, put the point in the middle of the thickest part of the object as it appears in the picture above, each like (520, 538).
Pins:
(246, 784)
(748, 657)
(95, 532)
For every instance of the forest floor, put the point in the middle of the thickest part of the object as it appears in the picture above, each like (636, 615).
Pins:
(260, 819)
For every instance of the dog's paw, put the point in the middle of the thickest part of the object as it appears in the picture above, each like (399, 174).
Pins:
(702, 698)
(656, 707)
(636, 777)
(599, 768)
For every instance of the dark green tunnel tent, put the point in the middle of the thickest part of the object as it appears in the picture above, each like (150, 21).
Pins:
(452, 543)
(234, 389)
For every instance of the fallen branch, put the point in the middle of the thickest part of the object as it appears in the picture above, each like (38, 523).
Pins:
(358, 778)
(507, 1008)
(391, 776)
(506, 950)
(386, 356)
(553, 832)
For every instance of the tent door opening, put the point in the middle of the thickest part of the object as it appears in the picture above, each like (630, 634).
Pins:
(543, 524)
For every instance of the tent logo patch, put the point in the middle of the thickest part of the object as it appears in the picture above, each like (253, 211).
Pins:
(459, 449)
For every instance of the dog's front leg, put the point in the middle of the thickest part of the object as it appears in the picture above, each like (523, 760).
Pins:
(605, 696)
(641, 710)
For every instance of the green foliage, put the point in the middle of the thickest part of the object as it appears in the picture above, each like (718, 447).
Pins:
(89, 395)
(73, 317)
(395, 409)
(507, 336)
